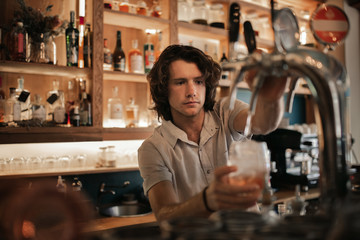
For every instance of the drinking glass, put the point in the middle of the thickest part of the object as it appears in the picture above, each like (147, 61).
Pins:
(253, 163)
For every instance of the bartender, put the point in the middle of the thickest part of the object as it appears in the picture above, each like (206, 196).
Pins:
(184, 162)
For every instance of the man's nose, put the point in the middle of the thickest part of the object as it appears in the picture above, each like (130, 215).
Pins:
(191, 89)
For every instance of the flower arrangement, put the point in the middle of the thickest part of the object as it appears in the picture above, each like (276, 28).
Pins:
(36, 22)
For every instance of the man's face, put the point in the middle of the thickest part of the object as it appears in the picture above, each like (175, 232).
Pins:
(186, 89)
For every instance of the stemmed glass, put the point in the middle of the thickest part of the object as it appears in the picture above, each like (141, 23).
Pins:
(253, 163)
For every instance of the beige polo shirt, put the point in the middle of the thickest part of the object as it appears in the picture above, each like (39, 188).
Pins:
(169, 155)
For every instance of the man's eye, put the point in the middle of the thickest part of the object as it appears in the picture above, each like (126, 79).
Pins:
(200, 82)
(179, 83)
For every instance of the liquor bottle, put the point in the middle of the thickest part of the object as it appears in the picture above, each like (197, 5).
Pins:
(18, 41)
(87, 46)
(70, 101)
(3, 48)
(38, 109)
(135, 58)
(159, 46)
(115, 110)
(107, 65)
(23, 96)
(43, 58)
(52, 100)
(85, 111)
(2, 102)
(132, 114)
(124, 6)
(119, 59)
(81, 33)
(59, 110)
(12, 107)
(148, 54)
(75, 121)
(72, 42)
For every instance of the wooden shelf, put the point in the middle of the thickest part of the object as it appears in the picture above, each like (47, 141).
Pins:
(126, 77)
(131, 20)
(202, 31)
(43, 69)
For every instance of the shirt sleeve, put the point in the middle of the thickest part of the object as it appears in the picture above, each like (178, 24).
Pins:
(152, 166)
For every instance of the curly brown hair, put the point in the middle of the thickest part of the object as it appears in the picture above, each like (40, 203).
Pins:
(159, 76)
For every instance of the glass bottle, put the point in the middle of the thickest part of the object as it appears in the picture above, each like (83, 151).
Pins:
(12, 107)
(199, 12)
(159, 46)
(132, 118)
(3, 48)
(38, 109)
(23, 97)
(141, 8)
(119, 59)
(50, 51)
(184, 10)
(2, 102)
(124, 6)
(59, 111)
(107, 4)
(115, 110)
(42, 51)
(149, 57)
(87, 46)
(76, 117)
(156, 9)
(85, 111)
(76, 185)
(52, 100)
(107, 65)
(72, 42)
(70, 101)
(81, 42)
(18, 41)
(135, 58)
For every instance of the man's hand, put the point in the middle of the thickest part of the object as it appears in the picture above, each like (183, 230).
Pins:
(223, 195)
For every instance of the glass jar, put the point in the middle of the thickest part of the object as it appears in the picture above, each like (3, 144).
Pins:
(141, 8)
(217, 16)
(199, 12)
(184, 9)
(124, 6)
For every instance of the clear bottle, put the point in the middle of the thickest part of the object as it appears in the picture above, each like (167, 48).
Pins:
(217, 16)
(132, 117)
(149, 57)
(2, 102)
(18, 41)
(141, 8)
(135, 58)
(59, 111)
(70, 100)
(184, 10)
(72, 42)
(50, 51)
(199, 12)
(12, 107)
(43, 58)
(85, 110)
(119, 59)
(52, 100)
(88, 46)
(115, 110)
(23, 97)
(76, 185)
(159, 46)
(38, 109)
(107, 56)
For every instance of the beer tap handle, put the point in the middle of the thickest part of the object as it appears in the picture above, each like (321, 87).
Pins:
(291, 94)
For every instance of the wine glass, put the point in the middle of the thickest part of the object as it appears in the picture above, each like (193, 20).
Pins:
(253, 163)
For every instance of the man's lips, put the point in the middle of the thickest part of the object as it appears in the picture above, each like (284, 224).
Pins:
(191, 102)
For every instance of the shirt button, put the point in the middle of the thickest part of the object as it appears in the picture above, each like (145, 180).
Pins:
(208, 171)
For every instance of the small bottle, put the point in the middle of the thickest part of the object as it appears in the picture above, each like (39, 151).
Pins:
(2, 102)
(159, 46)
(42, 54)
(156, 9)
(76, 185)
(72, 42)
(12, 107)
(23, 96)
(87, 46)
(119, 59)
(61, 186)
(85, 111)
(81, 42)
(52, 100)
(115, 110)
(124, 6)
(135, 58)
(18, 41)
(141, 8)
(107, 56)
(149, 57)
(76, 117)
(132, 114)
(59, 111)
(38, 109)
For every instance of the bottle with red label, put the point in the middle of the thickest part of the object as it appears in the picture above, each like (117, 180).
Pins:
(19, 41)
(149, 56)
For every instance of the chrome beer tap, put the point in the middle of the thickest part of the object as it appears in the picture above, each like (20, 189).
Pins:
(327, 81)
